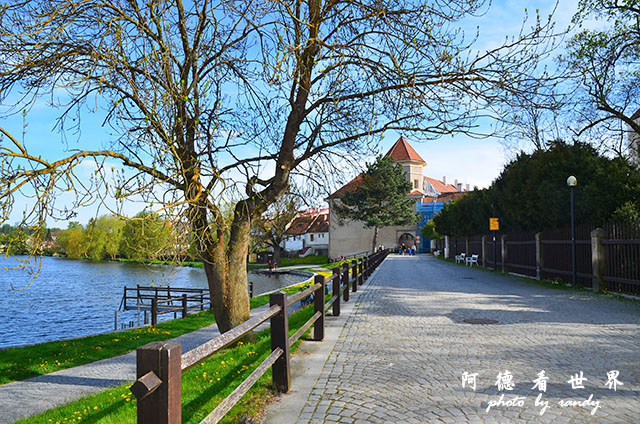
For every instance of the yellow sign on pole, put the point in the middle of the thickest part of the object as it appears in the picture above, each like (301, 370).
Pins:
(494, 224)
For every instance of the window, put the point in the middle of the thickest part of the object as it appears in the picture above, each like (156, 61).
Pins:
(311, 237)
(415, 183)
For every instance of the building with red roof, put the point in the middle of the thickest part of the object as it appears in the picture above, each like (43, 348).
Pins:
(308, 233)
(351, 237)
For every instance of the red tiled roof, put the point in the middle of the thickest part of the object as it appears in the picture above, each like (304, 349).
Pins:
(300, 225)
(320, 225)
(402, 151)
(348, 187)
(440, 186)
(310, 221)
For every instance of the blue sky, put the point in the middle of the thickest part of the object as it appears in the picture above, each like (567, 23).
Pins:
(471, 161)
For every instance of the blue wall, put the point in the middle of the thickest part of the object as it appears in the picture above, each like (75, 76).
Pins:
(427, 211)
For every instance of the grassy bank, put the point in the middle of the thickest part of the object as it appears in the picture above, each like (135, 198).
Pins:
(30, 361)
(203, 388)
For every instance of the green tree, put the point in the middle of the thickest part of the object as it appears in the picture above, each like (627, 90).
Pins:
(380, 200)
(104, 237)
(17, 242)
(628, 212)
(531, 193)
(72, 241)
(206, 97)
(429, 231)
(146, 237)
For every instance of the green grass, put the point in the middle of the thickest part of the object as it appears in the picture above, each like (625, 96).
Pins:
(307, 260)
(20, 363)
(203, 388)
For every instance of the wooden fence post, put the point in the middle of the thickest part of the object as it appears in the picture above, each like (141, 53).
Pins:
(597, 257)
(159, 400)
(354, 275)
(539, 256)
(318, 306)
(154, 311)
(345, 281)
(280, 339)
(503, 243)
(446, 247)
(185, 312)
(336, 292)
(361, 271)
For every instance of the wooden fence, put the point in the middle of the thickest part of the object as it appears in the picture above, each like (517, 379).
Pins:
(160, 364)
(606, 258)
(164, 300)
(620, 247)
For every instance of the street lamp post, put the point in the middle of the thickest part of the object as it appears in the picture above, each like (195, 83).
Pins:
(572, 182)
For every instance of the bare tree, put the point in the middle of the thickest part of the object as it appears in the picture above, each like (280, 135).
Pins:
(604, 66)
(223, 101)
(271, 228)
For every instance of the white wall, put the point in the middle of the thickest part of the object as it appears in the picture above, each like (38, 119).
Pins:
(293, 243)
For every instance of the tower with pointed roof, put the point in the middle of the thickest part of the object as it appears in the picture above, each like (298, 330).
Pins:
(412, 164)
(351, 237)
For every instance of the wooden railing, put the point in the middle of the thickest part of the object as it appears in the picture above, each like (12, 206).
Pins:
(160, 364)
(165, 300)
(366, 253)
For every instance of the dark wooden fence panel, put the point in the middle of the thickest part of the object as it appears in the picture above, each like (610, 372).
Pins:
(440, 245)
(622, 258)
(489, 261)
(475, 247)
(556, 248)
(521, 253)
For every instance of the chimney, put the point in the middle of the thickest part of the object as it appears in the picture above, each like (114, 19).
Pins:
(444, 180)
(455, 183)
(467, 187)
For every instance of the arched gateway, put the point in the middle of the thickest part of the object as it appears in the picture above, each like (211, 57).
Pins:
(407, 239)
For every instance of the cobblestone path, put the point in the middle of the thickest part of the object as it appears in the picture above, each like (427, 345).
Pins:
(401, 355)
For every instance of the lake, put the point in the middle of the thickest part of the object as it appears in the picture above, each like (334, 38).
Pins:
(73, 298)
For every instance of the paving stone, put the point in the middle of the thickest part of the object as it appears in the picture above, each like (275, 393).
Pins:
(402, 352)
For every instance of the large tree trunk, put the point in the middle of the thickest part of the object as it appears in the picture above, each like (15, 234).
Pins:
(277, 251)
(227, 274)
